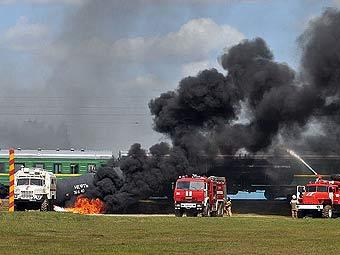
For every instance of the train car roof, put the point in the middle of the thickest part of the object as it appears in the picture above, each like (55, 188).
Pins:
(72, 154)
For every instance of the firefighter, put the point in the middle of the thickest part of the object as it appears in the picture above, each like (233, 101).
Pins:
(293, 204)
(227, 207)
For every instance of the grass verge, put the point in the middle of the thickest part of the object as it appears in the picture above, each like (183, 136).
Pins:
(61, 233)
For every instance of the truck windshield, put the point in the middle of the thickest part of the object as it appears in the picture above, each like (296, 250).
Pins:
(190, 185)
(37, 182)
(27, 181)
(316, 188)
(322, 188)
(23, 181)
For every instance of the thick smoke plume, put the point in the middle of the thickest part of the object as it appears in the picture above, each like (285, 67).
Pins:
(138, 176)
(202, 116)
(207, 104)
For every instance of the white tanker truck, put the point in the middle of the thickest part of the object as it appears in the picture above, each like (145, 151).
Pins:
(35, 188)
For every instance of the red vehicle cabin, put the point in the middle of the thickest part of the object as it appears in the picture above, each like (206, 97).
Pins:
(319, 198)
(200, 195)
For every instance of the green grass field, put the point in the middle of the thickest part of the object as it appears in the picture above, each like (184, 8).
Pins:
(62, 233)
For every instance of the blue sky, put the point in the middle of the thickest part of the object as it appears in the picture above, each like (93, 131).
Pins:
(128, 51)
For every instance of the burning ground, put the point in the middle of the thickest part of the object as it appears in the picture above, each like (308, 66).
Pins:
(255, 106)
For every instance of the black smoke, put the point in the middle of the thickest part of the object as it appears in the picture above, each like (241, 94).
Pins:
(321, 68)
(203, 116)
(207, 106)
(138, 176)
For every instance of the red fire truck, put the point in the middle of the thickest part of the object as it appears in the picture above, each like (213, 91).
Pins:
(319, 198)
(195, 195)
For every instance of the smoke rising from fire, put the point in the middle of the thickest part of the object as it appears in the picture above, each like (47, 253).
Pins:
(138, 176)
(202, 116)
(207, 104)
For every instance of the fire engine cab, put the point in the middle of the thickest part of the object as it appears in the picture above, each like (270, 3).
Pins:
(195, 195)
(319, 198)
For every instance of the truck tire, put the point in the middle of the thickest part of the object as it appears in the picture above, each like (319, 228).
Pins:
(44, 205)
(178, 213)
(327, 212)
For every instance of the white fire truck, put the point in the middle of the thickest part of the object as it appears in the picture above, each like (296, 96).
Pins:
(34, 189)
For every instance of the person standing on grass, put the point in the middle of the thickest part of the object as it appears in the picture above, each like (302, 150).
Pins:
(0, 204)
(227, 207)
(293, 204)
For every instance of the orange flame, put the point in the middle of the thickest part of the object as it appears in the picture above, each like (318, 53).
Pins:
(84, 205)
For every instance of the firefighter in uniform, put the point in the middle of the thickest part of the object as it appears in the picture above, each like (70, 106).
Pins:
(227, 207)
(293, 204)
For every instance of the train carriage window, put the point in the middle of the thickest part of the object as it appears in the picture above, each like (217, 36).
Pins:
(57, 168)
(91, 168)
(2, 168)
(18, 166)
(40, 165)
(74, 168)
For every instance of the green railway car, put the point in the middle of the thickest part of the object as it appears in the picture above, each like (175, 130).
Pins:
(63, 163)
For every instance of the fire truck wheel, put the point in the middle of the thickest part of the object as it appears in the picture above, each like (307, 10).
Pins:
(44, 205)
(327, 212)
(178, 213)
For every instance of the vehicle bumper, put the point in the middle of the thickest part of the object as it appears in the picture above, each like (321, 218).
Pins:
(309, 207)
(19, 200)
(188, 206)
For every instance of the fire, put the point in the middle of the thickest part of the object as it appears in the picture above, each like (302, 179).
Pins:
(84, 205)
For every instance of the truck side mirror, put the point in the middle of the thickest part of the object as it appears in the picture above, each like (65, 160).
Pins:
(173, 186)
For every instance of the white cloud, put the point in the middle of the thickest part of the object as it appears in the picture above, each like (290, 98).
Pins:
(194, 41)
(25, 36)
(191, 69)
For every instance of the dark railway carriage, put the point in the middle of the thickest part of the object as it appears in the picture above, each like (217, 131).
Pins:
(277, 175)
